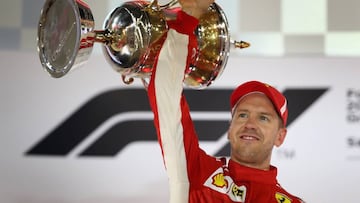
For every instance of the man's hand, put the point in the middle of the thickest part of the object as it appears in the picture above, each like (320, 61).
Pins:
(195, 7)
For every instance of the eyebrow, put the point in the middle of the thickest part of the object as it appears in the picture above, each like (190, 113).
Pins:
(261, 112)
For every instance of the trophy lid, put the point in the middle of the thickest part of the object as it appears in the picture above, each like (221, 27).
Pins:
(59, 34)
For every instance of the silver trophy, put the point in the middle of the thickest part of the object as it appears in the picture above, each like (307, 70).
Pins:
(132, 37)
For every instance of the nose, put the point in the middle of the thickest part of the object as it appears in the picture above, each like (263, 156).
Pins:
(250, 123)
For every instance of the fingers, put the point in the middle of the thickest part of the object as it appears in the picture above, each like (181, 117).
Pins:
(195, 7)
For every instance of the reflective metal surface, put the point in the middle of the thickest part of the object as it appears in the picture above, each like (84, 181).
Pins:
(214, 46)
(65, 37)
(135, 56)
(135, 29)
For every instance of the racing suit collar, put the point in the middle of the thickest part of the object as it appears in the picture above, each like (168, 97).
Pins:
(244, 173)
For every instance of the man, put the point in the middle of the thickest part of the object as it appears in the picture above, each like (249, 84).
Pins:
(259, 115)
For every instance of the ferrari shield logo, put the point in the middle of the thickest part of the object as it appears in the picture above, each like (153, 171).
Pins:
(281, 198)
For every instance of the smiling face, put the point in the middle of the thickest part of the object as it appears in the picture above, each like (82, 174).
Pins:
(254, 130)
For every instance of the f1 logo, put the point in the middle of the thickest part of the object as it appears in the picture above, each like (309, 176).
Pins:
(75, 129)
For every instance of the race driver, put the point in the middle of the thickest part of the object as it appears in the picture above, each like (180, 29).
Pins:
(259, 114)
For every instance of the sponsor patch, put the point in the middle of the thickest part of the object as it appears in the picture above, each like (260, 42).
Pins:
(224, 184)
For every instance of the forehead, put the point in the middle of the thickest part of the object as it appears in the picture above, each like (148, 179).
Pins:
(257, 101)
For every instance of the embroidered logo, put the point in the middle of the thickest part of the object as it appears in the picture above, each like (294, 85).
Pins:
(281, 198)
(238, 192)
(224, 184)
(219, 180)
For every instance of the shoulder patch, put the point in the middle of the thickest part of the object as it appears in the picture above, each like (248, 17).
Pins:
(224, 184)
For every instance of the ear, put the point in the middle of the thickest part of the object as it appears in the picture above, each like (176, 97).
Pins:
(280, 137)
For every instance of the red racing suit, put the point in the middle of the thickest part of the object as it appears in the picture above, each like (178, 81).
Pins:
(194, 176)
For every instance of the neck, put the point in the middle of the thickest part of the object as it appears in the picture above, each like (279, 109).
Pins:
(261, 166)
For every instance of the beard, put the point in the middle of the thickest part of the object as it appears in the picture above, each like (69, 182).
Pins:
(251, 154)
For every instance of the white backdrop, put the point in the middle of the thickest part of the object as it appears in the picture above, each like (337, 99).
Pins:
(319, 161)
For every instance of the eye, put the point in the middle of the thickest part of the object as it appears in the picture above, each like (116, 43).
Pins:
(264, 118)
(243, 115)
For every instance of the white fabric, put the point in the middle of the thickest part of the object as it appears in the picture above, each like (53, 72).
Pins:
(168, 88)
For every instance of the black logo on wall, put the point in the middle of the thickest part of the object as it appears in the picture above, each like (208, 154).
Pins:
(75, 129)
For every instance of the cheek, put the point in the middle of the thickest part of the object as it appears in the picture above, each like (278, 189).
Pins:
(234, 130)
(231, 131)
(278, 138)
(272, 136)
